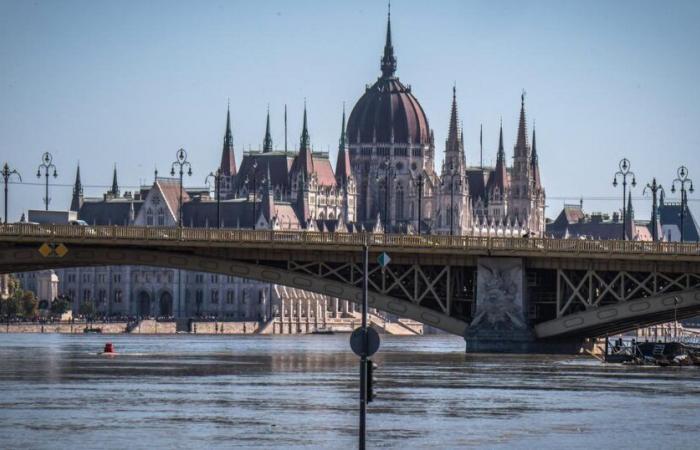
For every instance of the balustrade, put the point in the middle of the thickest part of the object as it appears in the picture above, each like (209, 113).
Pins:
(56, 232)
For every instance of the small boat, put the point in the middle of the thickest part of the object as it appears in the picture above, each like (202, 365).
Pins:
(92, 330)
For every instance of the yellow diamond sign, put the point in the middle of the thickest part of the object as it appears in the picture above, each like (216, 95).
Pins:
(60, 250)
(53, 250)
(45, 250)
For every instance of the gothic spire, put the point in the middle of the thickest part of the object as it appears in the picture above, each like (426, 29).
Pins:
(304, 160)
(534, 162)
(454, 147)
(342, 166)
(77, 200)
(305, 139)
(228, 158)
(521, 146)
(501, 157)
(453, 132)
(115, 185)
(388, 65)
(267, 142)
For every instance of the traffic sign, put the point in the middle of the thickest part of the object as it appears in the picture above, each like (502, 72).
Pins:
(383, 259)
(356, 341)
(52, 250)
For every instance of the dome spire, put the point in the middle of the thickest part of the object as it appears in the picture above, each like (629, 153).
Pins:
(388, 65)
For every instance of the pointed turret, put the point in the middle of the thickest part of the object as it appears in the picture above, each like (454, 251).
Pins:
(304, 160)
(388, 65)
(499, 180)
(228, 158)
(267, 142)
(454, 146)
(342, 165)
(77, 200)
(534, 163)
(115, 185)
(521, 145)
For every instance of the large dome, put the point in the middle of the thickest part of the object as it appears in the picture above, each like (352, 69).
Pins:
(388, 107)
(385, 108)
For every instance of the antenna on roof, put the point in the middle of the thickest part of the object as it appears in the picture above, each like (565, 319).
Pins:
(481, 145)
(285, 128)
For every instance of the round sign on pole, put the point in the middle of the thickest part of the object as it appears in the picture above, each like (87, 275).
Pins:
(356, 341)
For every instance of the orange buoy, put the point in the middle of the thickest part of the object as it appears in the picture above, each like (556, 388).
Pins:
(109, 348)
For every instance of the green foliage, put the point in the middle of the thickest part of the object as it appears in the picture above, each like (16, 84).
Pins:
(29, 304)
(86, 308)
(59, 306)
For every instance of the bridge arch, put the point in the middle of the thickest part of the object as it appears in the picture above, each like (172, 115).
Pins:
(29, 259)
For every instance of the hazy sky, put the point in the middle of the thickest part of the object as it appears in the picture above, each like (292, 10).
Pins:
(130, 82)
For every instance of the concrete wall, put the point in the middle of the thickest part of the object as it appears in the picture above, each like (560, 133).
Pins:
(109, 328)
(224, 327)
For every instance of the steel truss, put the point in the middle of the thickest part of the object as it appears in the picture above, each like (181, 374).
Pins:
(439, 288)
(581, 290)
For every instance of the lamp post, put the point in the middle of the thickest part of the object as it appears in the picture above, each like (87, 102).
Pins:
(419, 184)
(623, 173)
(181, 162)
(47, 165)
(6, 174)
(682, 180)
(388, 173)
(452, 174)
(217, 191)
(255, 166)
(654, 188)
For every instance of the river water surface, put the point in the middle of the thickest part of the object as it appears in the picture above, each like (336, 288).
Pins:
(301, 392)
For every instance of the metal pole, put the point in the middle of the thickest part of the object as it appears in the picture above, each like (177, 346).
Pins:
(218, 199)
(46, 200)
(6, 179)
(363, 357)
(624, 207)
(420, 197)
(683, 200)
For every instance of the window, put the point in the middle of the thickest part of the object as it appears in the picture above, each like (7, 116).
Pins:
(214, 278)
(230, 297)
(117, 278)
(161, 217)
(199, 278)
(366, 151)
(215, 296)
(401, 151)
(149, 217)
(417, 152)
(86, 278)
(118, 296)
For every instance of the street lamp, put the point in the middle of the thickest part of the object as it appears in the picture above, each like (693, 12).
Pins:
(624, 172)
(6, 174)
(181, 162)
(654, 188)
(47, 165)
(683, 180)
(217, 176)
(255, 166)
(452, 174)
(419, 185)
(388, 175)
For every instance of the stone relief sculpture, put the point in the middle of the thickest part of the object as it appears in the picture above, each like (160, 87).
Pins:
(499, 296)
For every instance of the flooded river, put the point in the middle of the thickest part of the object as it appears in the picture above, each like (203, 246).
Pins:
(301, 392)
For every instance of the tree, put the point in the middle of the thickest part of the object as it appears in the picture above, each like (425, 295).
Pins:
(29, 304)
(86, 308)
(59, 306)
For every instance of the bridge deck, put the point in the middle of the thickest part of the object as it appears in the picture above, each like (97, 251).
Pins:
(397, 243)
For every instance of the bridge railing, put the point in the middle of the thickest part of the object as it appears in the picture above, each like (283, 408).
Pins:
(55, 232)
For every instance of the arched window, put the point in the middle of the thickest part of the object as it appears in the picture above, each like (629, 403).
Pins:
(149, 217)
(161, 217)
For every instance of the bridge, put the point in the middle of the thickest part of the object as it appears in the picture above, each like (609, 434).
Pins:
(501, 294)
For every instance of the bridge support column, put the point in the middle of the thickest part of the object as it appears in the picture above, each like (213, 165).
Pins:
(501, 323)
